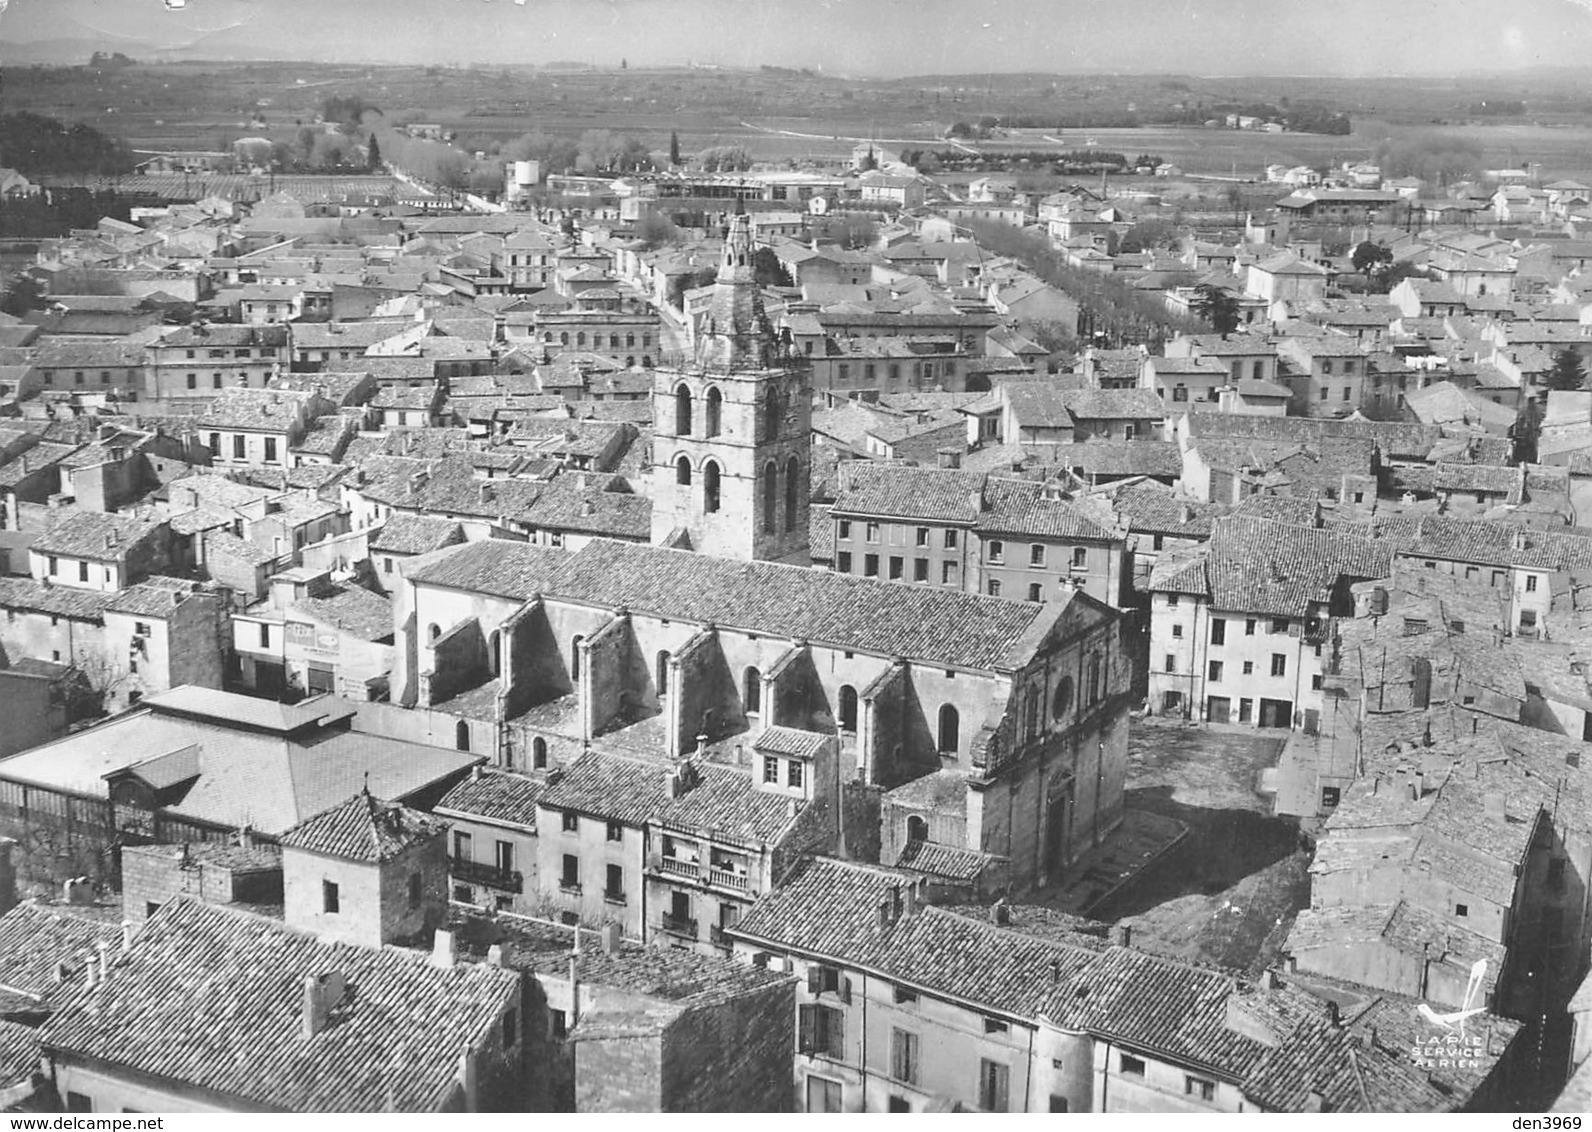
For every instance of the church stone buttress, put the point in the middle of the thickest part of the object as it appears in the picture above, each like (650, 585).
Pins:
(732, 432)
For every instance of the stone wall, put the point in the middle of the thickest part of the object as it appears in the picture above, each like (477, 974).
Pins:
(733, 1057)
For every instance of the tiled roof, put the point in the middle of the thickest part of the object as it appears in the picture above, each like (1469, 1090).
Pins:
(58, 601)
(35, 937)
(415, 534)
(942, 860)
(790, 741)
(157, 596)
(1021, 507)
(725, 802)
(495, 795)
(608, 786)
(356, 611)
(98, 535)
(212, 998)
(936, 626)
(259, 409)
(1280, 569)
(1119, 458)
(363, 829)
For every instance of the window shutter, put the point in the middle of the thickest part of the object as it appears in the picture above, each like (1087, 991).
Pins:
(845, 989)
(806, 1016)
(815, 979)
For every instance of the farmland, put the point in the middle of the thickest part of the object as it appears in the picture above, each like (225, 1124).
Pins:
(209, 105)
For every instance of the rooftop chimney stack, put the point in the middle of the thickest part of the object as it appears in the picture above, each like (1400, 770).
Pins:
(444, 949)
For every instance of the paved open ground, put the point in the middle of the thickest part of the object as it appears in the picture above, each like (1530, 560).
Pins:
(1229, 890)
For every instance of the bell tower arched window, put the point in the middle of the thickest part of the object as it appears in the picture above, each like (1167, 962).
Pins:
(710, 487)
(950, 730)
(793, 472)
(770, 498)
(714, 412)
(682, 411)
(682, 471)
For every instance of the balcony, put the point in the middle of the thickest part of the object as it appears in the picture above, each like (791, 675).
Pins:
(680, 867)
(724, 878)
(474, 872)
(678, 925)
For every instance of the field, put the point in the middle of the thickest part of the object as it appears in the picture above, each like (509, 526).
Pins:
(241, 187)
(208, 105)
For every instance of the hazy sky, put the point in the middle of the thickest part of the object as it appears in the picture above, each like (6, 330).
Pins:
(858, 37)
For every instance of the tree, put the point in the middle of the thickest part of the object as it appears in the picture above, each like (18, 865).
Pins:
(674, 148)
(655, 230)
(1368, 257)
(1215, 306)
(373, 155)
(23, 294)
(869, 162)
(1568, 372)
(768, 270)
(1148, 235)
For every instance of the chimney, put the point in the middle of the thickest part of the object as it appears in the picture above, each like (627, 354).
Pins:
(1368, 1038)
(574, 986)
(1316, 1102)
(494, 955)
(90, 971)
(104, 961)
(1125, 934)
(1268, 979)
(444, 949)
(610, 936)
(1001, 912)
(1493, 806)
(949, 457)
(1332, 1012)
(467, 1079)
(127, 936)
(314, 1008)
(910, 897)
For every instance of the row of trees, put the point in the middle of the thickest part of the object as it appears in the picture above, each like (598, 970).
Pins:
(32, 143)
(1110, 311)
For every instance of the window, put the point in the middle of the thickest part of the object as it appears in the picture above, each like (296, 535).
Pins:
(265, 636)
(1171, 663)
(897, 567)
(920, 569)
(710, 487)
(1531, 583)
(504, 851)
(1171, 601)
(615, 831)
(904, 1056)
(238, 449)
(571, 822)
(870, 565)
(193, 381)
(923, 536)
(871, 532)
(1461, 909)
(1279, 624)
(1330, 796)
(682, 411)
(848, 708)
(270, 449)
(905, 997)
(82, 571)
(415, 890)
(1036, 554)
(1035, 592)
(1214, 673)
(1058, 1103)
(1315, 682)
(461, 846)
(994, 1081)
(1177, 632)
(996, 1026)
(752, 691)
(1218, 631)
(1180, 393)
(1199, 1087)
(994, 587)
(538, 753)
(950, 540)
(997, 551)
(843, 561)
(793, 775)
(330, 902)
(947, 573)
(570, 880)
(897, 1104)
(1249, 627)
(461, 736)
(1249, 668)
(558, 1023)
(823, 1030)
(1346, 392)
(1130, 1066)
(1279, 664)
(614, 887)
(682, 471)
(950, 727)
(845, 528)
